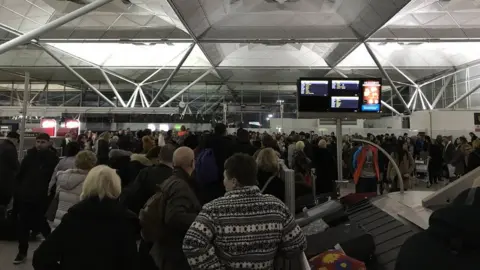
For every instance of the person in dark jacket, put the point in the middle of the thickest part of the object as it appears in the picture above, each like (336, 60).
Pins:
(243, 144)
(436, 162)
(325, 169)
(119, 159)
(102, 149)
(31, 192)
(222, 148)
(138, 162)
(474, 157)
(98, 233)
(267, 175)
(8, 168)
(137, 194)
(182, 207)
(452, 240)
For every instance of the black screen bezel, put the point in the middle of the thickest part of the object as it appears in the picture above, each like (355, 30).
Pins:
(322, 104)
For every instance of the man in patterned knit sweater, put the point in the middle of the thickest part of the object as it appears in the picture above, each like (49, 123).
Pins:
(244, 229)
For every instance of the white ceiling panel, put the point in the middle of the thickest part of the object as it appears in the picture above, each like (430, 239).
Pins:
(426, 55)
(134, 55)
(287, 55)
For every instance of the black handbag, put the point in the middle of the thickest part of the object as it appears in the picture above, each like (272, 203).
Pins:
(52, 209)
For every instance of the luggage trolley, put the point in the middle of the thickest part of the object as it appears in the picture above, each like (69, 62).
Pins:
(421, 169)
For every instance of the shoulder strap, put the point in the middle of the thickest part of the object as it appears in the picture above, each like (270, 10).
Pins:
(267, 183)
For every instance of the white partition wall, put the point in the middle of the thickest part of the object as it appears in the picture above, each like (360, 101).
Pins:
(455, 123)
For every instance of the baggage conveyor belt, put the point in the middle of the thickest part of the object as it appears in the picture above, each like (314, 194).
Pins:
(388, 232)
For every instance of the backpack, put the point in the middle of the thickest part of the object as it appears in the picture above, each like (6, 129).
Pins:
(206, 170)
(152, 215)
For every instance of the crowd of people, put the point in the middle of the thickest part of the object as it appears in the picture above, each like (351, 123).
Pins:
(204, 200)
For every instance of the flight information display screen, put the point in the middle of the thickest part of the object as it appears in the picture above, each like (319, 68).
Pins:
(345, 103)
(339, 95)
(314, 88)
(351, 85)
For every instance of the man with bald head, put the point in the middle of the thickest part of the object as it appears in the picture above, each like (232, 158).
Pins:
(182, 207)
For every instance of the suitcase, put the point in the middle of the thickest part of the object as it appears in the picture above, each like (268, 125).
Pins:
(354, 241)
(354, 198)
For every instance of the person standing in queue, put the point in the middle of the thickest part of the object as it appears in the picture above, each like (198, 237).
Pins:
(367, 171)
(244, 229)
(31, 193)
(8, 168)
(181, 209)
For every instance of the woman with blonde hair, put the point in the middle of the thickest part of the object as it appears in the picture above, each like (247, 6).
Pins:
(267, 175)
(96, 233)
(70, 183)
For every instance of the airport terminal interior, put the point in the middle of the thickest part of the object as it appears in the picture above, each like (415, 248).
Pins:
(342, 71)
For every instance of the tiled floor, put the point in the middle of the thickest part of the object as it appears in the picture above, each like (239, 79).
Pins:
(8, 250)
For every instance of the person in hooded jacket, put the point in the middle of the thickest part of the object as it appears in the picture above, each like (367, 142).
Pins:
(8, 168)
(138, 162)
(452, 240)
(145, 186)
(31, 192)
(98, 233)
(70, 183)
(66, 163)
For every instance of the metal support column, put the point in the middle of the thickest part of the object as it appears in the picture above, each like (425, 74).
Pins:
(384, 73)
(184, 89)
(412, 98)
(425, 99)
(386, 105)
(60, 61)
(339, 149)
(462, 97)
(119, 98)
(442, 90)
(26, 99)
(225, 108)
(282, 106)
(27, 37)
(174, 72)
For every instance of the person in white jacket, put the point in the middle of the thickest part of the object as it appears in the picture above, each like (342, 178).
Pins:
(70, 183)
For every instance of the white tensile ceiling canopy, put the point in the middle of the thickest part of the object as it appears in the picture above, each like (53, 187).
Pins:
(245, 41)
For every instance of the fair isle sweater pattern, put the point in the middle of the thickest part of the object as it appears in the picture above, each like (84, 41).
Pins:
(242, 230)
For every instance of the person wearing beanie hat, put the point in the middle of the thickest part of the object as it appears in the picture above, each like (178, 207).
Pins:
(31, 192)
(8, 168)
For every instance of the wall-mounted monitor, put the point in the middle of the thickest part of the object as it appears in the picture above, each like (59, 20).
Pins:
(333, 97)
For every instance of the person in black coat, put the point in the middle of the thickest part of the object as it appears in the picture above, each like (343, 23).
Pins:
(98, 233)
(138, 162)
(243, 144)
(325, 169)
(222, 148)
(8, 168)
(31, 192)
(435, 164)
(452, 240)
(119, 159)
(473, 160)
